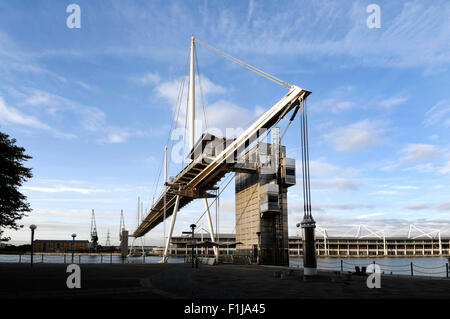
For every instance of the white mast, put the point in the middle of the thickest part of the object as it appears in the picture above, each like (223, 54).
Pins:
(138, 210)
(165, 189)
(191, 98)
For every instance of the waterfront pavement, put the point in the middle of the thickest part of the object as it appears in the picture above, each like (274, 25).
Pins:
(224, 281)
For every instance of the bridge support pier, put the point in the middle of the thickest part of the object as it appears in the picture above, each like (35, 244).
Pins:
(124, 243)
(172, 224)
(211, 230)
(309, 246)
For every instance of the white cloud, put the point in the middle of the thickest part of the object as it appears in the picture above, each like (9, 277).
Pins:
(208, 87)
(147, 78)
(404, 187)
(385, 192)
(86, 86)
(334, 105)
(116, 137)
(387, 165)
(11, 115)
(421, 168)
(226, 115)
(321, 168)
(359, 135)
(433, 137)
(413, 34)
(417, 207)
(393, 101)
(62, 189)
(91, 118)
(445, 169)
(12, 57)
(418, 152)
(221, 114)
(169, 90)
(443, 206)
(369, 215)
(417, 35)
(438, 114)
(336, 184)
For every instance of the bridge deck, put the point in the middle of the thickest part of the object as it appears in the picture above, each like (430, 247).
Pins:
(198, 177)
(156, 213)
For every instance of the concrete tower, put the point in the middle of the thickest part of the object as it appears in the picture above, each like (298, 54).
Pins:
(261, 203)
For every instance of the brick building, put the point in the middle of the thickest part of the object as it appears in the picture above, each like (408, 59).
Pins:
(43, 245)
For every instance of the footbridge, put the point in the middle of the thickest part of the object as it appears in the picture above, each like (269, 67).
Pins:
(212, 157)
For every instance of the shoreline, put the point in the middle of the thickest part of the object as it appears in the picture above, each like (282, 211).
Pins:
(182, 256)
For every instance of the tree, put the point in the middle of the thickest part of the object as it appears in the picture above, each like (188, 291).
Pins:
(13, 204)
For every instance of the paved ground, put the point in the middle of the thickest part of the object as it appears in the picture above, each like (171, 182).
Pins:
(158, 281)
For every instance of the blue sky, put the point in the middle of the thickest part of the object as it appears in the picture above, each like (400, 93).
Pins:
(93, 106)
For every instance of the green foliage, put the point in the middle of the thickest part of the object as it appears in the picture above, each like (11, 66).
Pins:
(13, 204)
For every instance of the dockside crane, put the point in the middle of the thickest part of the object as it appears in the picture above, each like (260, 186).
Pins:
(122, 225)
(94, 234)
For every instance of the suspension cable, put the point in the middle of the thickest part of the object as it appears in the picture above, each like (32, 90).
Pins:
(201, 88)
(247, 66)
(174, 121)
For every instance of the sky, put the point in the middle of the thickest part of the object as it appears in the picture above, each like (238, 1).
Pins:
(94, 105)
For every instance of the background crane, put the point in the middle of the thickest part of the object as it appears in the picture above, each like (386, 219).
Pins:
(94, 235)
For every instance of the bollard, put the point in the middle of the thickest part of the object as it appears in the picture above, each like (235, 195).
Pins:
(42, 258)
(342, 265)
(110, 258)
(79, 259)
(412, 272)
(20, 258)
(144, 258)
(64, 258)
(101, 259)
(446, 270)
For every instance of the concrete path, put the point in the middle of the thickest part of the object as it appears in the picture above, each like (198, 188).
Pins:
(180, 281)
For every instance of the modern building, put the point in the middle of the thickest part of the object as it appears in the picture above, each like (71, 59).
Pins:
(374, 246)
(45, 245)
(331, 246)
(181, 245)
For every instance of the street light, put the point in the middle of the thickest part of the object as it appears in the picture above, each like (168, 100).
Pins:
(32, 227)
(73, 243)
(258, 254)
(192, 228)
(298, 240)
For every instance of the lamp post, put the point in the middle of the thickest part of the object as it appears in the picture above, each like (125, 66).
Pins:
(192, 228)
(73, 243)
(298, 239)
(258, 255)
(32, 227)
